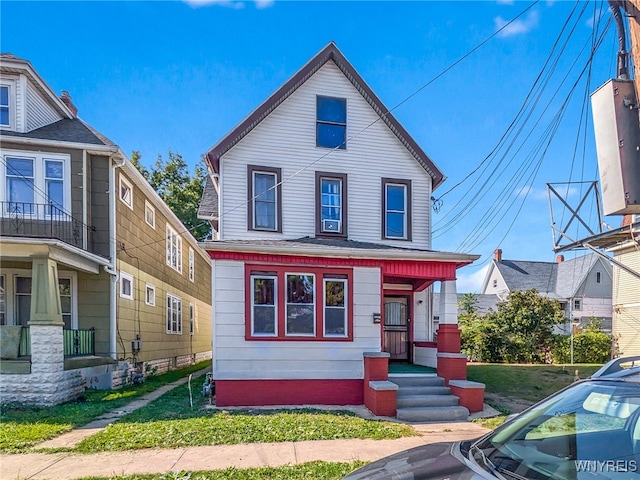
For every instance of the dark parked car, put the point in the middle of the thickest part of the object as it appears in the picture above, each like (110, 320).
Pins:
(587, 431)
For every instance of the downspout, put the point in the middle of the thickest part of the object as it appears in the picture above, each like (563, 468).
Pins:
(623, 55)
(85, 218)
(116, 162)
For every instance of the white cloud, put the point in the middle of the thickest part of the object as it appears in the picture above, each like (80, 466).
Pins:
(471, 282)
(518, 26)
(236, 4)
(260, 4)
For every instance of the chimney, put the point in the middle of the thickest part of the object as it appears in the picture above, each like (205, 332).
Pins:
(560, 259)
(66, 99)
(497, 255)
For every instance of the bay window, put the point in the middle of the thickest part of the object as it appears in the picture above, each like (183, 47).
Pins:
(284, 303)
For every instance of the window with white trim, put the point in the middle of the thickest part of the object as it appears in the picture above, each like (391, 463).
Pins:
(577, 304)
(191, 319)
(35, 184)
(192, 264)
(174, 249)
(7, 113)
(174, 314)
(150, 295)
(264, 312)
(126, 285)
(149, 214)
(126, 192)
(66, 297)
(335, 307)
(300, 304)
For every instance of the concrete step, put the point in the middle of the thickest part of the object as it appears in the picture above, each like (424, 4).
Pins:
(407, 380)
(413, 391)
(433, 414)
(427, 401)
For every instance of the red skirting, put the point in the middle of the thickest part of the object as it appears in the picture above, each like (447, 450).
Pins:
(231, 393)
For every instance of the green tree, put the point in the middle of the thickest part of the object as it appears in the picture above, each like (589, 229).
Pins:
(519, 331)
(179, 190)
(590, 345)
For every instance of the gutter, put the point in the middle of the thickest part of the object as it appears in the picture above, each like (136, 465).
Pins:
(93, 148)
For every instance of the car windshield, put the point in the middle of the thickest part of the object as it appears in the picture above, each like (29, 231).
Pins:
(589, 431)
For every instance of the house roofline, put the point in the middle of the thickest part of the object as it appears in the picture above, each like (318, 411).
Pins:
(330, 52)
(14, 65)
(341, 252)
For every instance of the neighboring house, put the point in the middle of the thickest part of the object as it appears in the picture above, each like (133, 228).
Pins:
(97, 275)
(320, 203)
(582, 285)
(626, 291)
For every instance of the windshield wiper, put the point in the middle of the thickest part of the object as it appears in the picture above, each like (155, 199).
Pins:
(488, 463)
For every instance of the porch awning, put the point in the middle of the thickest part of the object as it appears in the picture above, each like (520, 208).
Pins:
(418, 267)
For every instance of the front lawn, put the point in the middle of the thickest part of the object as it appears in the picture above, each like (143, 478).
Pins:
(23, 427)
(168, 422)
(304, 471)
(527, 382)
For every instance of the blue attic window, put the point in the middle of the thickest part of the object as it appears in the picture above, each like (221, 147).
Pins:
(331, 122)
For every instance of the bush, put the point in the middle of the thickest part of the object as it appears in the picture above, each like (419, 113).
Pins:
(589, 346)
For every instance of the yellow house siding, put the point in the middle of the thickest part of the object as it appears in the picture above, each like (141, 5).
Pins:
(626, 302)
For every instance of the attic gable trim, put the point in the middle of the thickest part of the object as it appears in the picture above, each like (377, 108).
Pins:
(18, 66)
(330, 52)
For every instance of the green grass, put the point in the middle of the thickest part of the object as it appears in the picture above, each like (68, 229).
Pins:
(304, 471)
(168, 422)
(23, 427)
(528, 382)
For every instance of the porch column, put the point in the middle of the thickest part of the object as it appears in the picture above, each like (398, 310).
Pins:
(47, 340)
(452, 365)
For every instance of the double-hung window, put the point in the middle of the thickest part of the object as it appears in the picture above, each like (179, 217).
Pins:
(126, 285)
(6, 105)
(149, 214)
(126, 192)
(335, 307)
(284, 303)
(331, 204)
(301, 307)
(174, 249)
(396, 209)
(174, 314)
(331, 122)
(264, 310)
(36, 184)
(192, 264)
(264, 198)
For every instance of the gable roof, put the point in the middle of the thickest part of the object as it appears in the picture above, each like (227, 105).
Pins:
(552, 279)
(525, 275)
(328, 53)
(208, 207)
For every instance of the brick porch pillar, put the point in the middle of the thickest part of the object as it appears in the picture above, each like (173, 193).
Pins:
(452, 365)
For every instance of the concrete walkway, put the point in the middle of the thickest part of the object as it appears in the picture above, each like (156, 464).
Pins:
(69, 466)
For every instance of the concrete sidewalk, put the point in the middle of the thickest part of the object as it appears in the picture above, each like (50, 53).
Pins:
(68, 466)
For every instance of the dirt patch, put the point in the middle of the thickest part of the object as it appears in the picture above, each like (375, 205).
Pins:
(514, 404)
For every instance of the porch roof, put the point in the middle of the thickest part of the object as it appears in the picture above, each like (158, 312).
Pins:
(396, 263)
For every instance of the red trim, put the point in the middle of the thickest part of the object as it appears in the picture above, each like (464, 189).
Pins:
(280, 272)
(418, 269)
(289, 392)
(425, 344)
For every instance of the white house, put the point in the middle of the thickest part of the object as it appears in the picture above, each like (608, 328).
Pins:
(321, 202)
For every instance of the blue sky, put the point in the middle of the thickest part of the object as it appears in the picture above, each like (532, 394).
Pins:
(160, 76)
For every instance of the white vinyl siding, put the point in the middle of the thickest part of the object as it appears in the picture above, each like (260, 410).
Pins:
(626, 302)
(237, 358)
(39, 112)
(287, 139)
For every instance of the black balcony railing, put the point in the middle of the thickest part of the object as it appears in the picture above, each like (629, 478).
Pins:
(38, 220)
(79, 343)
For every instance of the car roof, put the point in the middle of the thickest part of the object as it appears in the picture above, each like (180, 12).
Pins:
(624, 368)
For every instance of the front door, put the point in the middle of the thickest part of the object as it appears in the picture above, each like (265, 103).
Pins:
(396, 327)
